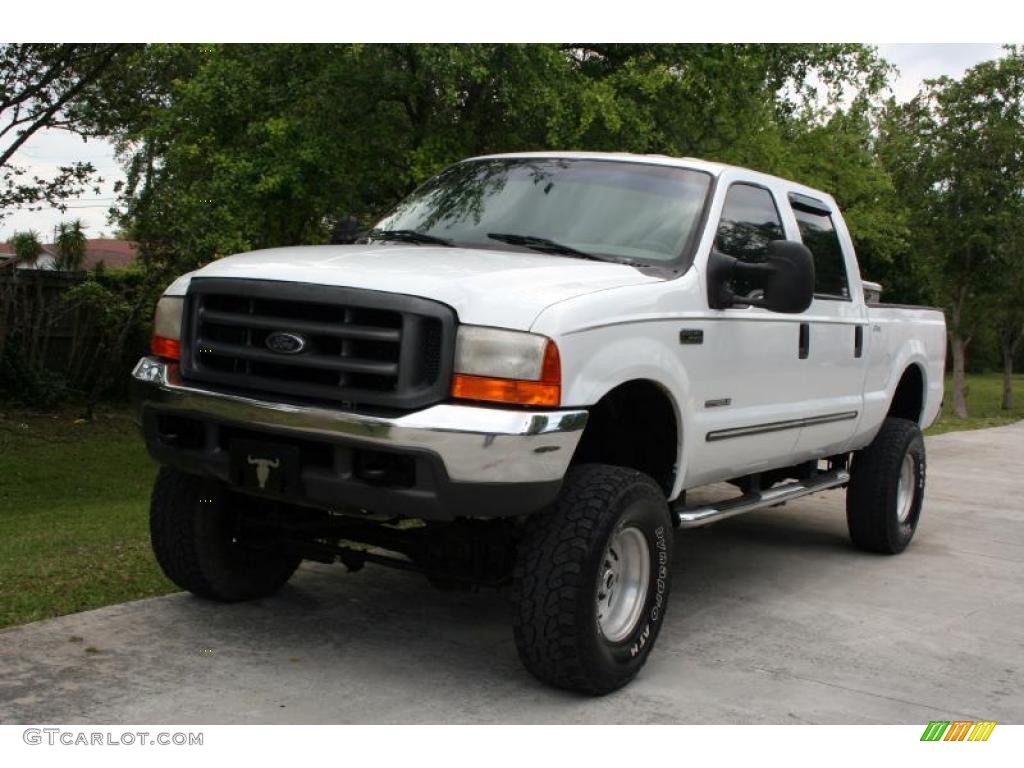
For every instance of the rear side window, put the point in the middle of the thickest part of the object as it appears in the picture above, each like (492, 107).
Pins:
(750, 220)
(819, 234)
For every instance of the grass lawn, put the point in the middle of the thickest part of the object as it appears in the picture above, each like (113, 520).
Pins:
(73, 515)
(984, 396)
(74, 503)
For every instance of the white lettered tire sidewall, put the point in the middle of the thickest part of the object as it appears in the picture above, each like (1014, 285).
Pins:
(645, 514)
(555, 586)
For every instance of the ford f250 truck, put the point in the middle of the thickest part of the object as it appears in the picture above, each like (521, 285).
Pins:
(516, 377)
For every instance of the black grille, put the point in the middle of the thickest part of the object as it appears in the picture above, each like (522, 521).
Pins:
(361, 347)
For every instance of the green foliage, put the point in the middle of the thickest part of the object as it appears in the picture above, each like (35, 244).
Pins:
(955, 155)
(838, 155)
(255, 146)
(985, 392)
(69, 243)
(27, 246)
(28, 385)
(109, 316)
(115, 310)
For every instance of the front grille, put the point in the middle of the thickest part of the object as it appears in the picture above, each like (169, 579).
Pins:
(360, 347)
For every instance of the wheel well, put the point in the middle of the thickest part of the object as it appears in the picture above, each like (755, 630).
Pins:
(908, 400)
(634, 425)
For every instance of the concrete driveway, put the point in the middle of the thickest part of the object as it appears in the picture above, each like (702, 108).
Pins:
(774, 618)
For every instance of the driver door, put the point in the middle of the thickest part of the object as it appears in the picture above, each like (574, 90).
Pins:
(748, 395)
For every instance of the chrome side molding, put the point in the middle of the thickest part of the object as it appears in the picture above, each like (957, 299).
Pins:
(778, 426)
(694, 517)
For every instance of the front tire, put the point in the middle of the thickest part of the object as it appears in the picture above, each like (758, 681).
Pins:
(592, 579)
(886, 491)
(194, 526)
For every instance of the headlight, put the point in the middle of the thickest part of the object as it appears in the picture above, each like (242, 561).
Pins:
(166, 341)
(503, 366)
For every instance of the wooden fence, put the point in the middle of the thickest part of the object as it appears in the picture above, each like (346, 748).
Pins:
(32, 308)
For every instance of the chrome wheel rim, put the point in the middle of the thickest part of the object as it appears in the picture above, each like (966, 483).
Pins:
(906, 489)
(622, 583)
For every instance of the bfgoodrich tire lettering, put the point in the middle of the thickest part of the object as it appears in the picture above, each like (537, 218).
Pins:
(558, 575)
(880, 515)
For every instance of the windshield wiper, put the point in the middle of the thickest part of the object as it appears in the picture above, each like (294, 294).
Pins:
(542, 244)
(408, 236)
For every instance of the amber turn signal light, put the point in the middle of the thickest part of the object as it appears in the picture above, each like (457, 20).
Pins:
(164, 347)
(547, 391)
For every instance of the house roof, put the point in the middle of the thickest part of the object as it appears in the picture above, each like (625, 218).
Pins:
(115, 254)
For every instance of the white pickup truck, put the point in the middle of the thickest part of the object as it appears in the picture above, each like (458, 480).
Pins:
(516, 377)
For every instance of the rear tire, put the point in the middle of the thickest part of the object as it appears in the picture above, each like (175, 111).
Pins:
(592, 579)
(886, 491)
(193, 525)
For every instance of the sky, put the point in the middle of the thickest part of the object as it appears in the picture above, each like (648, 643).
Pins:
(49, 149)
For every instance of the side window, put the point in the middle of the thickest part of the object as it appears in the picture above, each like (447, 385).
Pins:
(750, 220)
(819, 234)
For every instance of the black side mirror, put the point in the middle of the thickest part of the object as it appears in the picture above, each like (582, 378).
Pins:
(786, 278)
(345, 232)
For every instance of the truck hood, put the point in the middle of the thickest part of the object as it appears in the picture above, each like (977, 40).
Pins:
(486, 287)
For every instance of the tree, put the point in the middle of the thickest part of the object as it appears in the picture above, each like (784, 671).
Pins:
(44, 86)
(23, 309)
(27, 246)
(1010, 328)
(1000, 86)
(270, 145)
(955, 155)
(69, 242)
(839, 154)
(1007, 310)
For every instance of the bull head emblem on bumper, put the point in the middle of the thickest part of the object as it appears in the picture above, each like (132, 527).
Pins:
(263, 467)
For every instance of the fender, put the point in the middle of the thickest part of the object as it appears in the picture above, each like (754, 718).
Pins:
(599, 360)
(896, 354)
(612, 337)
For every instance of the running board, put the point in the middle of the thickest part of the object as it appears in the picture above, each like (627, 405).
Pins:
(693, 517)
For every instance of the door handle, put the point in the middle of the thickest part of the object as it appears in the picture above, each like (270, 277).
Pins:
(805, 340)
(858, 341)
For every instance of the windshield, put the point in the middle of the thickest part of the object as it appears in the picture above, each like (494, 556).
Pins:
(609, 210)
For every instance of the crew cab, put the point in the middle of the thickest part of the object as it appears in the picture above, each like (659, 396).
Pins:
(515, 379)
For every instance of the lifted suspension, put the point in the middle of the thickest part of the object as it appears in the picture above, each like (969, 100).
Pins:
(458, 554)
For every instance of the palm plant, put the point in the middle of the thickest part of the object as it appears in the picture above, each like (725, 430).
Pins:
(27, 246)
(69, 244)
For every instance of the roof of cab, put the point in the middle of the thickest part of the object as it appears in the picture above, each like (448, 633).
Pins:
(681, 162)
(715, 169)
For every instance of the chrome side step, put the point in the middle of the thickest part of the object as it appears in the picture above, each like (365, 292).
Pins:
(694, 517)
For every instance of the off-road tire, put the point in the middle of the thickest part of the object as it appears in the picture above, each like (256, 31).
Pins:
(192, 523)
(872, 513)
(555, 582)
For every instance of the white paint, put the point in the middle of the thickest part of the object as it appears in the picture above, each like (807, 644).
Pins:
(614, 324)
(486, 287)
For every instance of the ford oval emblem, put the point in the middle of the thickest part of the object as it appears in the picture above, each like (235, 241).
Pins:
(285, 343)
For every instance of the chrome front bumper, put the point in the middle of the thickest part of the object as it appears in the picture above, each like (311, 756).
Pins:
(474, 444)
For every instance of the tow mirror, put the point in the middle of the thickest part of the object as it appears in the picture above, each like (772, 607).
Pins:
(785, 278)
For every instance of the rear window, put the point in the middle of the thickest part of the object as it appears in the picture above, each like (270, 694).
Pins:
(818, 233)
